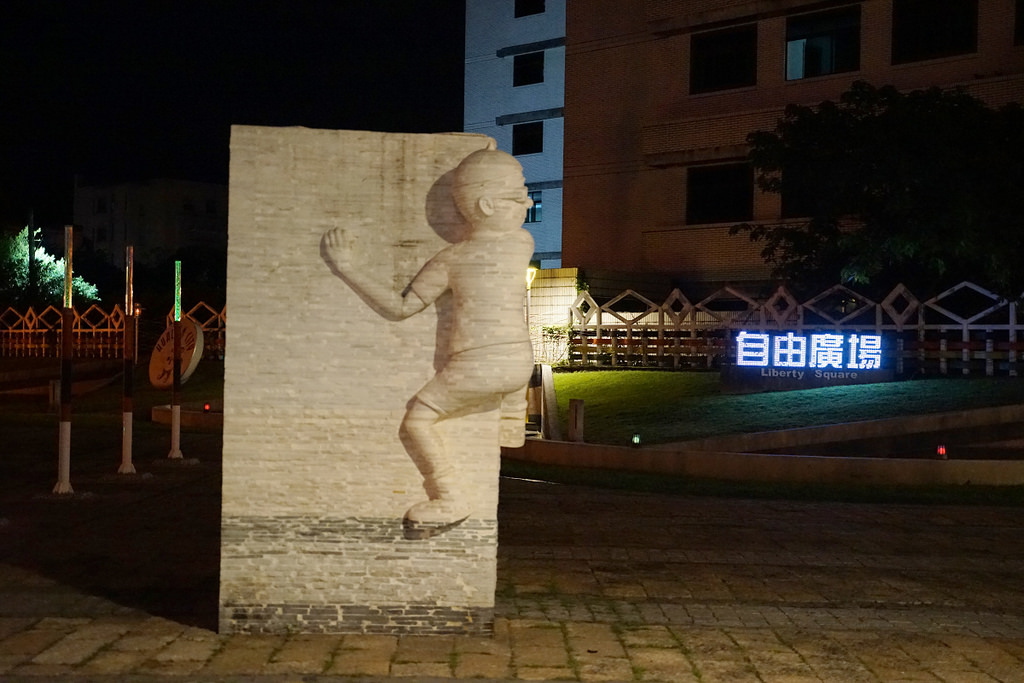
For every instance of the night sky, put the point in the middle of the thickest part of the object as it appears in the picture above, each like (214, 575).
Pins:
(136, 89)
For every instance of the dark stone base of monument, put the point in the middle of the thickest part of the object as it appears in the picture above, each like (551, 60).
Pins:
(274, 551)
(428, 619)
(747, 380)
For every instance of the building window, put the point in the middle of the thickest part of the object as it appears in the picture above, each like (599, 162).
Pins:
(533, 213)
(528, 69)
(823, 43)
(525, 8)
(720, 60)
(1018, 23)
(719, 194)
(528, 138)
(928, 29)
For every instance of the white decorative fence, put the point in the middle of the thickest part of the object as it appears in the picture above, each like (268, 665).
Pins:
(98, 333)
(965, 329)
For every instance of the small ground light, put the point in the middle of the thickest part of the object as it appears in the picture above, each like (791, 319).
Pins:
(206, 407)
(636, 439)
(940, 450)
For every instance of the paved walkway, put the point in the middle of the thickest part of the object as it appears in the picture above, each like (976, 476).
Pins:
(119, 583)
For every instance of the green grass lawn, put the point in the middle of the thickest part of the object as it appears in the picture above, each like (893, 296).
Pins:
(664, 407)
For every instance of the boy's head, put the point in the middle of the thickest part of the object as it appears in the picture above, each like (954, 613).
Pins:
(489, 183)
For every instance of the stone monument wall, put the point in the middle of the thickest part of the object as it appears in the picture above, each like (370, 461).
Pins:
(316, 479)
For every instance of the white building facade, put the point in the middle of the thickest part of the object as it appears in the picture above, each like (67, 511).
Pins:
(514, 92)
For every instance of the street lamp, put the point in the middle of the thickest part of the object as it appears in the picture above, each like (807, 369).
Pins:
(531, 273)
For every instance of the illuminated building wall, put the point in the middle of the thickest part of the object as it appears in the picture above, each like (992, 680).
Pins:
(661, 94)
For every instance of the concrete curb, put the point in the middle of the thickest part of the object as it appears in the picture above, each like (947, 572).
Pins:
(192, 415)
(772, 468)
(853, 431)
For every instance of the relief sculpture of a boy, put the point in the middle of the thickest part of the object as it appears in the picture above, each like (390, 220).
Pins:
(490, 357)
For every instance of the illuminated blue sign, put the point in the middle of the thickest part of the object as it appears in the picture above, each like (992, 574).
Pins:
(819, 351)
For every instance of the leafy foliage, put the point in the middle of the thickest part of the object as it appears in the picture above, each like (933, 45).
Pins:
(16, 286)
(922, 188)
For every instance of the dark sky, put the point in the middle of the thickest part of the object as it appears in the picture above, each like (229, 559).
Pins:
(132, 89)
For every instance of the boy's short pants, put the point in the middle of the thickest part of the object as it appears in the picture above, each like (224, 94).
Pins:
(477, 379)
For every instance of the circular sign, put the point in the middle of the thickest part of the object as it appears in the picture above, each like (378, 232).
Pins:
(161, 363)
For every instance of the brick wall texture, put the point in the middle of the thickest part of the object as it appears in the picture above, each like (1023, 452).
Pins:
(632, 127)
(316, 480)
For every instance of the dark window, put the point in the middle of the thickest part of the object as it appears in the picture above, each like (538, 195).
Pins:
(720, 60)
(528, 138)
(528, 69)
(823, 43)
(719, 194)
(928, 29)
(1018, 23)
(525, 8)
(533, 213)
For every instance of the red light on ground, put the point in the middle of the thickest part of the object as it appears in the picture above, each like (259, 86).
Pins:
(206, 407)
(941, 450)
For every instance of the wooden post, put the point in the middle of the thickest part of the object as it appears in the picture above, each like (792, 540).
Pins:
(990, 346)
(128, 346)
(965, 353)
(1011, 360)
(576, 419)
(67, 352)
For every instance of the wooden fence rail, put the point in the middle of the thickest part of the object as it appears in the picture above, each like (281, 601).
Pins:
(98, 333)
(965, 329)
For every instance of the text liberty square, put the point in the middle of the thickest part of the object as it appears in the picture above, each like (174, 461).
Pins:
(824, 350)
(785, 361)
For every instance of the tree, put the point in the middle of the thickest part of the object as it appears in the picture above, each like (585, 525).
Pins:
(16, 289)
(923, 188)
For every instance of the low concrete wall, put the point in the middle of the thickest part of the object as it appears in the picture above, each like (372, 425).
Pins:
(192, 415)
(852, 431)
(735, 466)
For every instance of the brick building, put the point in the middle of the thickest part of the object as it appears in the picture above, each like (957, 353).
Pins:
(661, 94)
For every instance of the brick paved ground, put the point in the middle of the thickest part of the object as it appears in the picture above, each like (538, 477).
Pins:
(120, 583)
